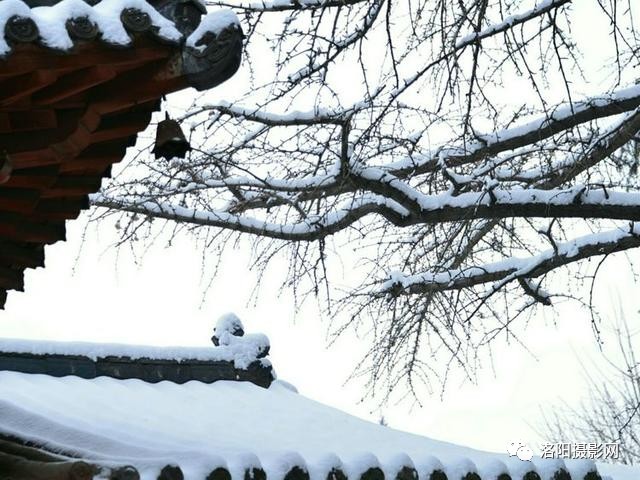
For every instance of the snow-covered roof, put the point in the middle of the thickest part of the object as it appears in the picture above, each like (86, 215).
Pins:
(113, 21)
(236, 426)
(242, 352)
(235, 356)
(230, 426)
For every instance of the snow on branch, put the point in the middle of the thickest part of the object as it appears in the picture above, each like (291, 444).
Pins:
(284, 5)
(511, 21)
(310, 229)
(571, 203)
(602, 243)
(386, 180)
(465, 144)
(560, 119)
(292, 118)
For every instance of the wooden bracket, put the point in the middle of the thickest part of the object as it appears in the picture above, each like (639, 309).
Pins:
(5, 168)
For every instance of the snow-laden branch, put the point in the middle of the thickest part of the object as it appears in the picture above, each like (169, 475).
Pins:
(575, 202)
(432, 209)
(602, 243)
(311, 228)
(284, 5)
(447, 160)
(567, 168)
(510, 22)
(608, 142)
(386, 179)
(292, 118)
(560, 119)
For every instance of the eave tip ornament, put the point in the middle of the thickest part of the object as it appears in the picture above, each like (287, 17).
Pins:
(170, 140)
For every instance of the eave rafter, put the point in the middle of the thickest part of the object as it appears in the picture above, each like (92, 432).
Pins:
(67, 117)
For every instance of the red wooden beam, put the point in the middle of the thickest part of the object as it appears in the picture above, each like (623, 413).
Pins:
(73, 84)
(25, 256)
(17, 88)
(19, 200)
(54, 209)
(74, 185)
(14, 227)
(28, 57)
(67, 122)
(11, 279)
(39, 178)
(34, 158)
(27, 121)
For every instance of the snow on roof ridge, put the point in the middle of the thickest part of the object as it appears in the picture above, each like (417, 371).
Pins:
(213, 22)
(51, 22)
(106, 15)
(241, 350)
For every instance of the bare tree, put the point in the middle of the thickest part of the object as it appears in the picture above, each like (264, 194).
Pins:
(452, 153)
(611, 413)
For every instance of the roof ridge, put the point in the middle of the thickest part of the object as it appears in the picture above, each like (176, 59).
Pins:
(235, 356)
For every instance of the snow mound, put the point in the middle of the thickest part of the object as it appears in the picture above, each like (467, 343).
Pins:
(213, 22)
(228, 326)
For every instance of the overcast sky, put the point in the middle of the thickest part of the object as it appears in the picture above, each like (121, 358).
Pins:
(97, 293)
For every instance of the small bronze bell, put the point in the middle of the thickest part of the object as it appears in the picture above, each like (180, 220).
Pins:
(170, 140)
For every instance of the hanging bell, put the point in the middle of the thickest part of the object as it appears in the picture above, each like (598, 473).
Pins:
(170, 140)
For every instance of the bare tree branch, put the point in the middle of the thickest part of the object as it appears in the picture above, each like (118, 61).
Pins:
(455, 158)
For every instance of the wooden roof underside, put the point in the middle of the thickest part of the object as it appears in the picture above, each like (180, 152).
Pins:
(65, 119)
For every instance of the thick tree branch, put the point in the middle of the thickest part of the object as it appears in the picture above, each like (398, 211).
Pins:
(311, 229)
(573, 203)
(562, 118)
(603, 243)
(615, 137)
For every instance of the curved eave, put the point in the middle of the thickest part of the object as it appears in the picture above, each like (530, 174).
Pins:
(67, 116)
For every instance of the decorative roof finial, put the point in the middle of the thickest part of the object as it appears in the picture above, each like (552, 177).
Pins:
(228, 325)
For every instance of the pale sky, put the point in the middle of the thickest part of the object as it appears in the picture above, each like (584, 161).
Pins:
(107, 297)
